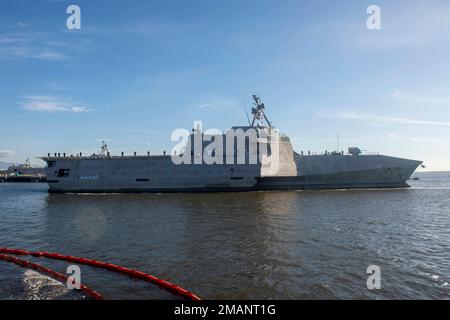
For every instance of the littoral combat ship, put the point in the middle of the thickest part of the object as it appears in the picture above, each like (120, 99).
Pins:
(245, 158)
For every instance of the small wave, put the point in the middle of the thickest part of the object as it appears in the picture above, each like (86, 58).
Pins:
(39, 287)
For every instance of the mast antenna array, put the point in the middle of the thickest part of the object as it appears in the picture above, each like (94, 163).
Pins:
(258, 112)
(104, 150)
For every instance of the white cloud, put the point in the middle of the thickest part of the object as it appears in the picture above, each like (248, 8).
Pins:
(50, 104)
(414, 139)
(49, 55)
(209, 106)
(143, 131)
(24, 47)
(55, 86)
(412, 24)
(403, 96)
(6, 153)
(144, 29)
(351, 115)
(217, 103)
(20, 45)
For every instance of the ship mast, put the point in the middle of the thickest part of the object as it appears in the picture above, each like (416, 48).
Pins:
(259, 114)
(104, 150)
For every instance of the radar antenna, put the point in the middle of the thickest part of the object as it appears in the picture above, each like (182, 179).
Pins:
(104, 150)
(258, 112)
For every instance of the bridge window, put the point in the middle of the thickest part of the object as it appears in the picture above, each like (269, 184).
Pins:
(63, 172)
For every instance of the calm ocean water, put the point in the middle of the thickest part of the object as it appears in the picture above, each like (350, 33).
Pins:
(256, 245)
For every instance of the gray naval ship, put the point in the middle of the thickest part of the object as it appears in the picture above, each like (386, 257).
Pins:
(266, 161)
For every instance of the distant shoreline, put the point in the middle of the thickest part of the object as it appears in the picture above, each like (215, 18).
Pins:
(442, 171)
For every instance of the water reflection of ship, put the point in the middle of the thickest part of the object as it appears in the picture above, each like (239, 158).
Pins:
(184, 234)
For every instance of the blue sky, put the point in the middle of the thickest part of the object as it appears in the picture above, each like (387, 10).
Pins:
(137, 70)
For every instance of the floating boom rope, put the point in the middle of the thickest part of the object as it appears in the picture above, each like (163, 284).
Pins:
(108, 266)
(53, 274)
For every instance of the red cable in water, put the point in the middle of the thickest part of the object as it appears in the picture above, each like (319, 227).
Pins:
(112, 267)
(49, 272)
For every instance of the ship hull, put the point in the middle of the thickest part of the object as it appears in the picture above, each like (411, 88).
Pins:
(146, 174)
(17, 179)
(157, 174)
(345, 172)
(372, 179)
